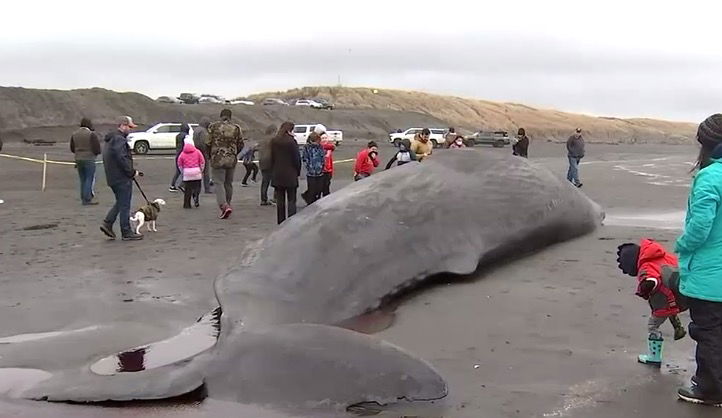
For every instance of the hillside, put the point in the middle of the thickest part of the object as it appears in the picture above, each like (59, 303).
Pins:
(361, 114)
(53, 114)
(472, 115)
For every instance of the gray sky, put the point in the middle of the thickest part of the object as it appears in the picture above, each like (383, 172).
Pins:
(620, 58)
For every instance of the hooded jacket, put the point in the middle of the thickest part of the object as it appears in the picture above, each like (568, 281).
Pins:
(420, 148)
(699, 247)
(117, 159)
(652, 259)
(191, 163)
(224, 142)
(314, 159)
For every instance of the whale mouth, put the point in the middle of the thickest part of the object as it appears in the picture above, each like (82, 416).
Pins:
(191, 341)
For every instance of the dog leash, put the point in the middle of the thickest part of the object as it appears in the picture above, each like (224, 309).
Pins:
(141, 190)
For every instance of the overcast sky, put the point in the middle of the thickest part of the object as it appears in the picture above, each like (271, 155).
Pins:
(622, 58)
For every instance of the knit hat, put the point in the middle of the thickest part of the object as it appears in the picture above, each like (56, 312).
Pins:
(319, 129)
(709, 133)
(627, 258)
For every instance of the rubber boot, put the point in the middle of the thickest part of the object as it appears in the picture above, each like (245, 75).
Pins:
(654, 356)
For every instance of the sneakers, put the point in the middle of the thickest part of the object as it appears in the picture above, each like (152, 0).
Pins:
(196, 203)
(91, 203)
(133, 237)
(692, 394)
(266, 204)
(172, 189)
(579, 185)
(244, 184)
(226, 211)
(107, 230)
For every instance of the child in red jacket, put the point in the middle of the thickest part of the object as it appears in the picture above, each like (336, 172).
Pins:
(658, 283)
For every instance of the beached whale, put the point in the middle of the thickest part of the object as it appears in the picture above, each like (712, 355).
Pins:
(340, 258)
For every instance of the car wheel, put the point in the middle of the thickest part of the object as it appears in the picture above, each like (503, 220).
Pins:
(397, 142)
(434, 144)
(469, 143)
(499, 144)
(141, 147)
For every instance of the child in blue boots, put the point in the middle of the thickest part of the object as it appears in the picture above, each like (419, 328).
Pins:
(658, 283)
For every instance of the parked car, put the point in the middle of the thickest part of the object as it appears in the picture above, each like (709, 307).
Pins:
(273, 102)
(160, 136)
(301, 133)
(167, 99)
(325, 104)
(436, 138)
(497, 139)
(242, 101)
(212, 98)
(309, 103)
(188, 98)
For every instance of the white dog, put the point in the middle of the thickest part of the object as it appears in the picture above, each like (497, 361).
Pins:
(147, 213)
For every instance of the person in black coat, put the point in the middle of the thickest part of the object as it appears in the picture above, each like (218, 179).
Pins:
(179, 142)
(285, 168)
(521, 148)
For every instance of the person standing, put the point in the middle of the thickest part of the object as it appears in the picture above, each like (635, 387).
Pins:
(521, 148)
(224, 142)
(575, 153)
(450, 137)
(328, 148)
(119, 173)
(313, 157)
(700, 259)
(403, 156)
(264, 163)
(180, 141)
(421, 146)
(200, 135)
(366, 161)
(247, 156)
(286, 167)
(191, 164)
(84, 143)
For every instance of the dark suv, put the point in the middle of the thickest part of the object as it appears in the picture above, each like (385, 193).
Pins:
(188, 98)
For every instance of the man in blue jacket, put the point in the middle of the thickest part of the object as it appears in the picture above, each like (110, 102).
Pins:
(700, 262)
(119, 172)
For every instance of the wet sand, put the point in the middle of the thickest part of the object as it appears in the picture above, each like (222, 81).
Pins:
(554, 333)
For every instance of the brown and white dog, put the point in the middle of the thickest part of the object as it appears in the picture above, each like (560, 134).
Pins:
(147, 213)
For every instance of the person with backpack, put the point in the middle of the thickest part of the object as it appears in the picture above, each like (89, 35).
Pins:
(403, 156)
(314, 158)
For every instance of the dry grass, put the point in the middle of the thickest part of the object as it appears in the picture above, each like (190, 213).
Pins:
(471, 115)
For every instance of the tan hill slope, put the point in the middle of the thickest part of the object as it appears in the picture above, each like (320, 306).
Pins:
(472, 115)
(54, 114)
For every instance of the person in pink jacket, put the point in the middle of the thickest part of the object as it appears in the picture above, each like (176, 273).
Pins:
(191, 164)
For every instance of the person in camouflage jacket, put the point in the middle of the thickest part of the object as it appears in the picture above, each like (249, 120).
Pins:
(224, 142)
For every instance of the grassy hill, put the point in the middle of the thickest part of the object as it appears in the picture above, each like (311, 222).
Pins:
(472, 115)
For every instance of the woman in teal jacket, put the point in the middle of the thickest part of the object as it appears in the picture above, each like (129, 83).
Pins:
(700, 262)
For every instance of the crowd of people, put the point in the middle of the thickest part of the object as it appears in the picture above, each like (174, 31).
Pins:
(218, 145)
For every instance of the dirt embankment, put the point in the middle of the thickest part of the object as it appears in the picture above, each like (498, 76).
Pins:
(53, 114)
(472, 115)
(361, 113)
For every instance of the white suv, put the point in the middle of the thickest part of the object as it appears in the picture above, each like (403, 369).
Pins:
(160, 136)
(309, 103)
(436, 137)
(301, 133)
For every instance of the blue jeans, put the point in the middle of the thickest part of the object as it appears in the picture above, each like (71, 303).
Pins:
(573, 173)
(123, 195)
(86, 173)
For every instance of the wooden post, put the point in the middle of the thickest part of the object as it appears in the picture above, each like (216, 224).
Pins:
(45, 168)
